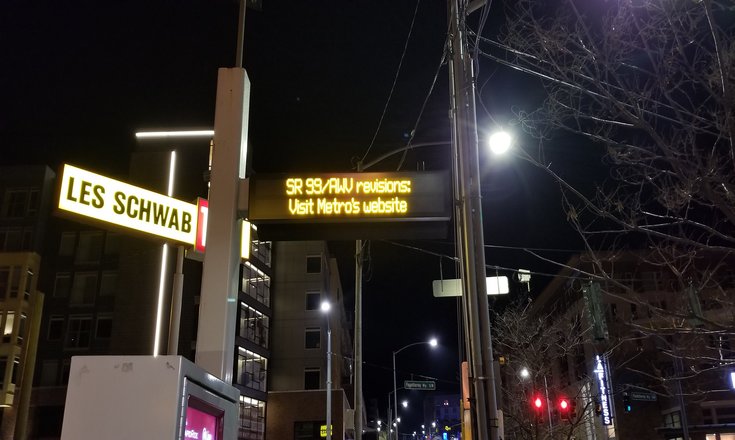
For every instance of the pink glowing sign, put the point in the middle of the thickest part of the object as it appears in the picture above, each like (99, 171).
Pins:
(202, 422)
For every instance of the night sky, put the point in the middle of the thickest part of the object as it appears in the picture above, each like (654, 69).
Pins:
(79, 78)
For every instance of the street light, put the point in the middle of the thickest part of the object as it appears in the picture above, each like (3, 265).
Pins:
(500, 142)
(525, 374)
(432, 342)
(325, 309)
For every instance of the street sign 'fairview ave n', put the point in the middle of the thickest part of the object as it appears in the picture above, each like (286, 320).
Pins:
(419, 385)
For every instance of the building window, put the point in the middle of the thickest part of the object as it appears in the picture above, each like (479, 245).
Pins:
(672, 420)
(8, 327)
(613, 312)
(14, 282)
(28, 285)
(256, 284)
(4, 281)
(108, 283)
(313, 300)
(312, 379)
(314, 264)
(83, 289)
(651, 281)
(34, 200)
(112, 244)
(251, 370)
(62, 285)
(27, 240)
(104, 327)
(55, 328)
(22, 328)
(16, 203)
(252, 419)
(66, 244)
(253, 325)
(12, 240)
(3, 369)
(79, 332)
(14, 373)
(313, 337)
(49, 373)
(89, 248)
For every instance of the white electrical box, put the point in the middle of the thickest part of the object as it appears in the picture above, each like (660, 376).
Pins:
(147, 397)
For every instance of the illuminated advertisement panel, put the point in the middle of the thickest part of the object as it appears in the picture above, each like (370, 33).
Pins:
(203, 421)
(603, 389)
(346, 197)
(102, 198)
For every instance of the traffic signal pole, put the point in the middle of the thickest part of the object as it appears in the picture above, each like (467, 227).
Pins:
(468, 221)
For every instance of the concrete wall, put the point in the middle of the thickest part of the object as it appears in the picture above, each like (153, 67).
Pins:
(285, 408)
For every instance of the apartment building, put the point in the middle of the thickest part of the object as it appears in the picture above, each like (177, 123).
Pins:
(656, 358)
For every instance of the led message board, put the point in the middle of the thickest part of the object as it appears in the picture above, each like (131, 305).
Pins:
(342, 205)
(102, 198)
(355, 196)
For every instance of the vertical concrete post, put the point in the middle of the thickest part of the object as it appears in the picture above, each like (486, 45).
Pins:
(220, 278)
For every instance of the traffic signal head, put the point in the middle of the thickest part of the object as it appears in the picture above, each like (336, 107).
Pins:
(627, 407)
(564, 408)
(538, 403)
(564, 405)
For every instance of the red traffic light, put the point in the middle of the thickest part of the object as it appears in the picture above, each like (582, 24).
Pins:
(564, 405)
(538, 403)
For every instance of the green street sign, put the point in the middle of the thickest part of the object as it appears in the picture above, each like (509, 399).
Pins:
(419, 384)
(642, 396)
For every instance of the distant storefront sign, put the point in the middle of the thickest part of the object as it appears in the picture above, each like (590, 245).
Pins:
(603, 389)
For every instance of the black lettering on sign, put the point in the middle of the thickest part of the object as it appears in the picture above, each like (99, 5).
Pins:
(119, 206)
(132, 212)
(174, 220)
(145, 210)
(186, 223)
(84, 193)
(98, 201)
(160, 214)
(70, 191)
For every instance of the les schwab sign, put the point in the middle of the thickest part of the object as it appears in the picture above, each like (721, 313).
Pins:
(92, 195)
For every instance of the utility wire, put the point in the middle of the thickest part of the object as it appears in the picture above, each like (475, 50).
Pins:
(492, 266)
(395, 80)
(423, 107)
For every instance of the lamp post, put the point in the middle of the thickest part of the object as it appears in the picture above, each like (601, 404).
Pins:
(177, 284)
(433, 343)
(526, 374)
(325, 309)
(468, 221)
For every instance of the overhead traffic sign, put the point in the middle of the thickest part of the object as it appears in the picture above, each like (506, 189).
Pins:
(453, 287)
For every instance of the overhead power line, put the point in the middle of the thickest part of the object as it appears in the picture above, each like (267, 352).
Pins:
(395, 80)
